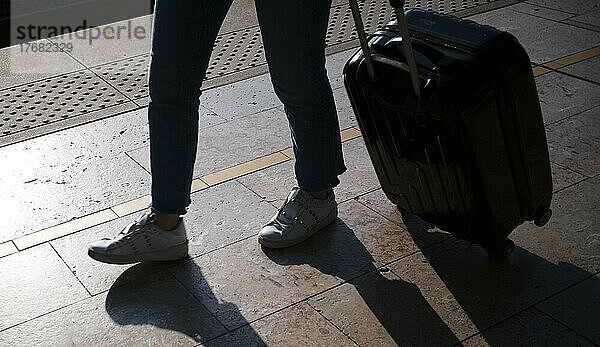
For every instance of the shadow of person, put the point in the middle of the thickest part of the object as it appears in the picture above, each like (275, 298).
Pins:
(161, 301)
(399, 306)
(490, 290)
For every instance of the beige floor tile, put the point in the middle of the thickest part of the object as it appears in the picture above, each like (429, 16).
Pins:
(134, 205)
(540, 11)
(95, 276)
(488, 290)
(299, 325)
(424, 234)
(589, 20)
(344, 109)
(534, 33)
(235, 142)
(240, 283)
(224, 214)
(216, 217)
(578, 308)
(562, 96)
(256, 282)
(360, 176)
(242, 14)
(571, 6)
(34, 282)
(103, 50)
(382, 239)
(382, 309)
(575, 142)
(335, 67)
(240, 99)
(274, 183)
(244, 168)
(64, 229)
(7, 248)
(563, 177)
(530, 328)
(589, 69)
(156, 311)
(72, 184)
(18, 66)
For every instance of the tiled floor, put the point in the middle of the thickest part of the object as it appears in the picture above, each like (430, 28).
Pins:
(374, 278)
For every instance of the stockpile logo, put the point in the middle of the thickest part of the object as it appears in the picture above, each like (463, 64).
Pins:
(42, 33)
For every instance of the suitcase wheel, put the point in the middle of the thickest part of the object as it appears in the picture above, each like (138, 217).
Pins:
(542, 216)
(502, 250)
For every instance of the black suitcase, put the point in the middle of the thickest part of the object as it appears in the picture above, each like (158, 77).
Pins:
(452, 122)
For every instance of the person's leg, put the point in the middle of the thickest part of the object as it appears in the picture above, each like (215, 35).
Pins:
(294, 38)
(293, 34)
(183, 35)
(184, 32)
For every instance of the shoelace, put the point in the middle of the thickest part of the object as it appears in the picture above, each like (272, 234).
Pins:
(288, 213)
(133, 228)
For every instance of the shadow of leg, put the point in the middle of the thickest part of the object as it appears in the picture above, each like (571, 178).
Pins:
(376, 308)
(161, 301)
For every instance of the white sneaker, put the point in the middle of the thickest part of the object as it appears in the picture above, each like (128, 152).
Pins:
(300, 217)
(142, 241)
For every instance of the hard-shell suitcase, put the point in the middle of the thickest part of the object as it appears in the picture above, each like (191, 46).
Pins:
(452, 122)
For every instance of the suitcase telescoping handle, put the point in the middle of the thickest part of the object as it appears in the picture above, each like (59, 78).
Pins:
(398, 6)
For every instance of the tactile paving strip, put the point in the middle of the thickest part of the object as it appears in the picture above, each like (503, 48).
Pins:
(54, 99)
(239, 52)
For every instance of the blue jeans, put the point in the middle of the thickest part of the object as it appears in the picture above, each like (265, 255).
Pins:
(183, 35)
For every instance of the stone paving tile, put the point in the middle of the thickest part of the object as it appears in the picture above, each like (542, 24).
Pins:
(540, 11)
(224, 214)
(382, 309)
(589, 20)
(107, 137)
(18, 66)
(530, 328)
(255, 282)
(156, 311)
(378, 202)
(7, 248)
(240, 283)
(298, 325)
(241, 15)
(240, 99)
(34, 282)
(578, 308)
(360, 176)
(575, 142)
(275, 182)
(126, 132)
(589, 69)
(95, 276)
(234, 142)
(67, 190)
(425, 234)
(562, 96)
(102, 50)
(456, 274)
(563, 177)
(571, 6)
(272, 184)
(216, 217)
(534, 33)
(344, 109)
(335, 67)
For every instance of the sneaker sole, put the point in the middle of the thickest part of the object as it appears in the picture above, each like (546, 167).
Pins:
(172, 253)
(289, 243)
